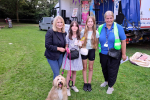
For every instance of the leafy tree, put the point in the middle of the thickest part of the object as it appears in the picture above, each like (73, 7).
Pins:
(11, 7)
(26, 9)
(44, 8)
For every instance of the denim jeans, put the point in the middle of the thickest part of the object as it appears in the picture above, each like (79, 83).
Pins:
(56, 65)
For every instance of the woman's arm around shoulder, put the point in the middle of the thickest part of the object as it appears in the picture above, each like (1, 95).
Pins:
(121, 32)
(97, 34)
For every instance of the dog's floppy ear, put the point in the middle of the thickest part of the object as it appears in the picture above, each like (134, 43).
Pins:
(55, 81)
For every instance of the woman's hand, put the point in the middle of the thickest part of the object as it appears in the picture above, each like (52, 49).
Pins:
(82, 42)
(60, 49)
(67, 50)
(124, 57)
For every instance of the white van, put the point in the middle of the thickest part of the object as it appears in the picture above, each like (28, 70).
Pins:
(46, 23)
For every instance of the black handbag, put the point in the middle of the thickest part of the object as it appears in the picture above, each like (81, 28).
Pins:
(114, 53)
(74, 54)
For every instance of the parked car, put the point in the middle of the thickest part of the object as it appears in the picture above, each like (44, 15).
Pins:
(46, 23)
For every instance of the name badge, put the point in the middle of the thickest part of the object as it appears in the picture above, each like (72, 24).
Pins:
(105, 45)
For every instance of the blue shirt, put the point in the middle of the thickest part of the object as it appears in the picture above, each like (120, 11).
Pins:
(111, 37)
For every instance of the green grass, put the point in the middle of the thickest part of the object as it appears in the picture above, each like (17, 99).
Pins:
(26, 75)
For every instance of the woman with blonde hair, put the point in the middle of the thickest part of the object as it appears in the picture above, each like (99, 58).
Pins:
(112, 37)
(55, 45)
(90, 43)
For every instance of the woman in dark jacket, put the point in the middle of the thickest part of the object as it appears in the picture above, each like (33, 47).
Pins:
(55, 45)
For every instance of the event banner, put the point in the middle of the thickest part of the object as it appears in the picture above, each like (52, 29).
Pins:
(74, 13)
(85, 11)
(92, 6)
(116, 6)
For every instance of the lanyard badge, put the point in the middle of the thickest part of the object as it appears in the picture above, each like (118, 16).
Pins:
(106, 44)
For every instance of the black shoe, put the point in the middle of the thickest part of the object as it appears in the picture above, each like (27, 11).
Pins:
(85, 87)
(89, 87)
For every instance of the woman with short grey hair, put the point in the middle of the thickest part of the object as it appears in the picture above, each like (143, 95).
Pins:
(111, 37)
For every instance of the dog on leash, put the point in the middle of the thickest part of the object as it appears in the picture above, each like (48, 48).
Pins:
(59, 90)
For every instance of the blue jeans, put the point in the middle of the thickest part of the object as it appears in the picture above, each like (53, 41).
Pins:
(56, 65)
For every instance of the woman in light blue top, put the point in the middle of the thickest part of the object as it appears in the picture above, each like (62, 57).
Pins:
(90, 42)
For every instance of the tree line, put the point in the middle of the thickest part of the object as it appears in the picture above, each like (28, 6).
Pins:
(26, 10)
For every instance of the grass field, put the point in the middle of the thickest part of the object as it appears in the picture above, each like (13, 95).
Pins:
(26, 75)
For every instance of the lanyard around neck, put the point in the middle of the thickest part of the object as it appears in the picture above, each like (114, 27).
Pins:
(107, 35)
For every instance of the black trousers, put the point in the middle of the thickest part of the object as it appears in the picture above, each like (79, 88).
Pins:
(110, 67)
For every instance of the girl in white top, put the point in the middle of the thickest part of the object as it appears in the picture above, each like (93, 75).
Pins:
(91, 43)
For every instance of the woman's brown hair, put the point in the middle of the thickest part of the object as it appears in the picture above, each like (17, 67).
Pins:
(94, 41)
(71, 32)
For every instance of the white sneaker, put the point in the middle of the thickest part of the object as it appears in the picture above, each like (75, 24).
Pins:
(110, 90)
(104, 84)
(68, 92)
(75, 89)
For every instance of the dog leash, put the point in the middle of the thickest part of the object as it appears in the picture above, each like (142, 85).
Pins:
(70, 80)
